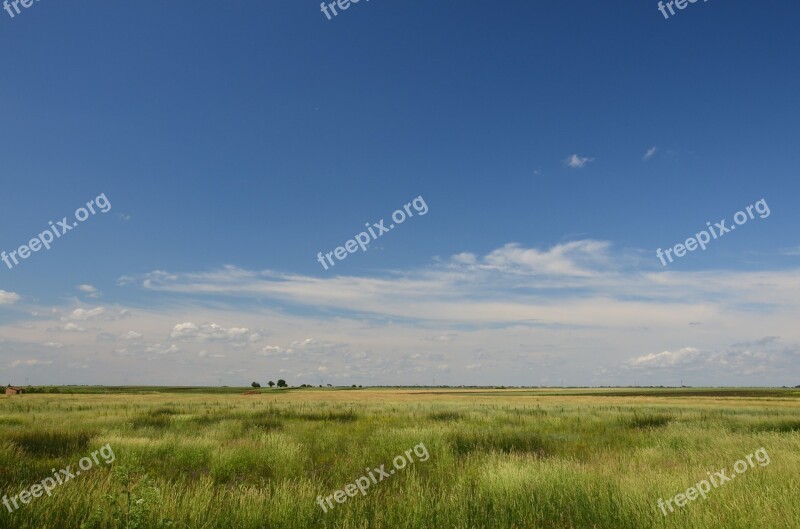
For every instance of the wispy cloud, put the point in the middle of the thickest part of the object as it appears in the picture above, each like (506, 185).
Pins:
(686, 355)
(30, 362)
(570, 259)
(564, 311)
(650, 153)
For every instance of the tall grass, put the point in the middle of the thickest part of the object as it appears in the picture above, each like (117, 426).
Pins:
(497, 460)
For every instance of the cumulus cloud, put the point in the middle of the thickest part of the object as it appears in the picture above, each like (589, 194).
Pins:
(89, 290)
(160, 349)
(84, 314)
(212, 332)
(73, 327)
(8, 298)
(296, 345)
(95, 314)
(742, 359)
(578, 162)
(307, 349)
(206, 354)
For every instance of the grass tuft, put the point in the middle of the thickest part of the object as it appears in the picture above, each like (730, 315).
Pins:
(50, 443)
(648, 421)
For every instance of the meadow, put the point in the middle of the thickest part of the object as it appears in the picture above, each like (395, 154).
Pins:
(498, 458)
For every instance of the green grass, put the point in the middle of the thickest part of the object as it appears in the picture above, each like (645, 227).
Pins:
(511, 459)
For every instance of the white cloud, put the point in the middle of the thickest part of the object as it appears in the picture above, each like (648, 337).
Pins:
(578, 162)
(650, 153)
(563, 311)
(307, 349)
(53, 345)
(8, 298)
(160, 349)
(750, 358)
(563, 259)
(85, 315)
(212, 332)
(206, 354)
(448, 337)
(30, 363)
(89, 290)
(268, 350)
(667, 358)
(465, 258)
(95, 314)
(72, 327)
(574, 283)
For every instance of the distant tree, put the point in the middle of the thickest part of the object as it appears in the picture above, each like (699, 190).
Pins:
(354, 385)
(282, 383)
(256, 385)
(271, 383)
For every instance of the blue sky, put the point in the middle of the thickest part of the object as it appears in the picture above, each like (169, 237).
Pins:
(236, 141)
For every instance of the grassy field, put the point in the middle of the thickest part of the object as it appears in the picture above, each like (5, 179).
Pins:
(565, 458)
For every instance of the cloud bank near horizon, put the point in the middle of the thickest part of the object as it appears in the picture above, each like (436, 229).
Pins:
(514, 316)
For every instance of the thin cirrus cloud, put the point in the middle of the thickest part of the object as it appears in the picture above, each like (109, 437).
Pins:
(650, 153)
